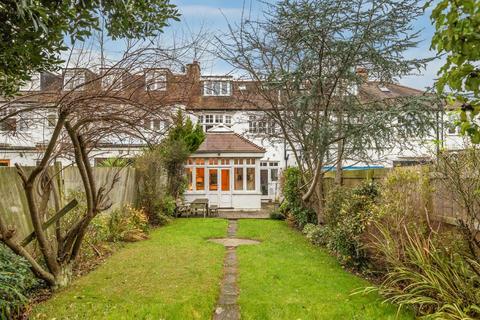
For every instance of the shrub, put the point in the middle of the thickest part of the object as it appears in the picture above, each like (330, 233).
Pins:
(437, 283)
(427, 270)
(314, 233)
(16, 280)
(277, 214)
(127, 224)
(293, 204)
(347, 216)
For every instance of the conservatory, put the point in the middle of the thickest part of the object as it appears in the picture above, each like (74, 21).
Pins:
(225, 170)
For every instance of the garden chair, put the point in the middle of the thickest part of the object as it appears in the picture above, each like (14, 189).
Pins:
(213, 210)
(182, 208)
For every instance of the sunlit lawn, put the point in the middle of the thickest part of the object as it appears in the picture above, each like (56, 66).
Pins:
(287, 278)
(174, 275)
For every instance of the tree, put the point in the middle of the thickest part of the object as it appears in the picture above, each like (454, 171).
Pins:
(457, 36)
(307, 62)
(91, 113)
(33, 33)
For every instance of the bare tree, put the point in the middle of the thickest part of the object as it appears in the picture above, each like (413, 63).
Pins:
(90, 109)
(305, 64)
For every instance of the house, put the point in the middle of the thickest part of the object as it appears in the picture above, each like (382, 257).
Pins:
(236, 166)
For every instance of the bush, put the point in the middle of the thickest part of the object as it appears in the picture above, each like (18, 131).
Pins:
(277, 214)
(16, 280)
(314, 233)
(293, 205)
(126, 224)
(427, 270)
(348, 213)
(437, 283)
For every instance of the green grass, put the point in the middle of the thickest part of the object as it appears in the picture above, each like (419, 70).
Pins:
(287, 278)
(174, 275)
(177, 274)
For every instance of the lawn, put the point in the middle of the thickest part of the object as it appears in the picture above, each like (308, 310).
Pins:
(174, 275)
(287, 278)
(177, 274)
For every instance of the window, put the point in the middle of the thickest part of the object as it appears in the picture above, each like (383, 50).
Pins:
(200, 161)
(238, 161)
(250, 161)
(152, 124)
(260, 126)
(200, 179)
(189, 173)
(156, 80)
(274, 174)
(207, 121)
(4, 163)
(9, 124)
(213, 179)
(209, 118)
(212, 161)
(112, 81)
(238, 183)
(74, 80)
(250, 178)
(216, 88)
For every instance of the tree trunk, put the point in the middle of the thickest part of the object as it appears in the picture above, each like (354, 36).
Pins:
(320, 200)
(64, 276)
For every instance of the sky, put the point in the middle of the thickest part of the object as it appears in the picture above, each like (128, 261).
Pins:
(213, 16)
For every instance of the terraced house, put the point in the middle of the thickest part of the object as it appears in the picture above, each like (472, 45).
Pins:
(241, 160)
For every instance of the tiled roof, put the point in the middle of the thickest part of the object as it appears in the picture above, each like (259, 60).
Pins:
(228, 142)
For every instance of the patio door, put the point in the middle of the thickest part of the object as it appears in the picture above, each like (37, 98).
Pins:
(225, 194)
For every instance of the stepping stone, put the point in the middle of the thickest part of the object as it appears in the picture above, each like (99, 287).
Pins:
(234, 242)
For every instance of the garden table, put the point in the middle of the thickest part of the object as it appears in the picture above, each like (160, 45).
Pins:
(200, 203)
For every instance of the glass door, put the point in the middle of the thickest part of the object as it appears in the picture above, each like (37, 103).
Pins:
(225, 197)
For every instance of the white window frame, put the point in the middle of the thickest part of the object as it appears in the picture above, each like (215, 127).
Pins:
(156, 80)
(217, 88)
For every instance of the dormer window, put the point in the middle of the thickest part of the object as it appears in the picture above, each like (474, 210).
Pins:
(156, 80)
(112, 80)
(216, 88)
(73, 80)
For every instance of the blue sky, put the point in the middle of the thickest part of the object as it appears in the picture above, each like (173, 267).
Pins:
(212, 16)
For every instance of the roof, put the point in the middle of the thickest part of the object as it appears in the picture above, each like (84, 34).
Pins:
(222, 139)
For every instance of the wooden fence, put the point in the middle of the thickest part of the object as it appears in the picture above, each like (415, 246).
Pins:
(441, 201)
(13, 203)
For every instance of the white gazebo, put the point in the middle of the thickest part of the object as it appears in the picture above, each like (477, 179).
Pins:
(225, 170)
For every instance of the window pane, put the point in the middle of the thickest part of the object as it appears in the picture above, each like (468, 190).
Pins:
(250, 178)
(200, 179)
(225, 180)
(188, 172)
(238, 178)
(200, 161)
(216, 88)
(213, 179)
(274, 175)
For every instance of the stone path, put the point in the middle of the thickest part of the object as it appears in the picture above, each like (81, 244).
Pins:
(227, 307)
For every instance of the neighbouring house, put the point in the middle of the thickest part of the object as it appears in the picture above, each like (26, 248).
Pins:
(236, 166)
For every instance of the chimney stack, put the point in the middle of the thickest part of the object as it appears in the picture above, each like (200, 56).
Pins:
(193, 71)
(362, 72)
